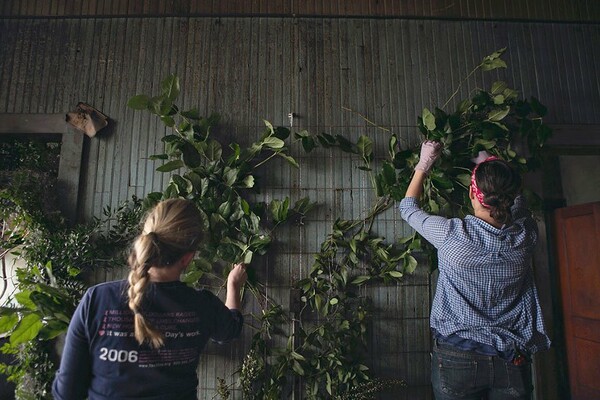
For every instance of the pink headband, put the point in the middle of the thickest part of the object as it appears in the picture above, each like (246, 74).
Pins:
(476, 191)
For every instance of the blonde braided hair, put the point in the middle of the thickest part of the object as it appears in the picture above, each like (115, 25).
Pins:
(171, 229)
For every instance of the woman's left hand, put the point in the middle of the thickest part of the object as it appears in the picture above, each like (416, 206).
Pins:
(237, 276)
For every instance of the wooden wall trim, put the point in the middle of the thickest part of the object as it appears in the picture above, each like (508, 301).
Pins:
(71, 150)
(574, 139)
(32, 124)
(533, 10)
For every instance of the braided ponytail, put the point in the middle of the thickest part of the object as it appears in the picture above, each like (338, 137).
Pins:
(171, 229)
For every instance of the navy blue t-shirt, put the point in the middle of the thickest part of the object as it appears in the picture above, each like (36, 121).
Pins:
(102, 360)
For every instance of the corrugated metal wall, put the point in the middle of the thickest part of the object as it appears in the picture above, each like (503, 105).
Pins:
(549, 10)
(249, 69)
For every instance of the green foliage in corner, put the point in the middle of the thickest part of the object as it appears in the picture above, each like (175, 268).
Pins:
(56, 259)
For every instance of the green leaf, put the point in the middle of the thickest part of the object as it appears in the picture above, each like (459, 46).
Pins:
(279, 210)
(269, 126)
(302, 134)
(184, 186)
(308, 143)
(170, 166)
(273, 142)
(538, 107)
(345, 145)
(171, 139)
(498, 87)
(248, 181)
(543, 133)
(170, 87)
(213, 150)
(225, 210)
(52, 329)
(297, 356)
(303, 205)
(389, 174)
(27, 329)
(24, 299)
(360, 279)
(498, 114)
(289, 159)
(487, 144)
(464, 179)
(441, 182)
(247, 257)
(159, 105)
(326, 140)
(139, 102)
(493, 61)
(428, 120)
(395, 274)
(191, 114)
(415, 244)
(499, 99)
(230, 175)
(365, 147)
(393, 142)
(318, 301)
(8, 322)
(168, 120)
(464, 105)
(245, 206)
(281, 132)
(410, 264)
(190, 155)
(434, 207)
(191, 276)
(297, 368)
(510, 94)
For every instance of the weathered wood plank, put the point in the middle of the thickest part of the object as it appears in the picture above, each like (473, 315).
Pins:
(32, 123)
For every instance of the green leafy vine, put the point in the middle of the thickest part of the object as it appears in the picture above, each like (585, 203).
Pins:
(321, 340)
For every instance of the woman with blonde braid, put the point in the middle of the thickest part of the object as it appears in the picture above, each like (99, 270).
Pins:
(141, 338)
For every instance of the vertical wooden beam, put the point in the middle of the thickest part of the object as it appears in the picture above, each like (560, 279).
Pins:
(69, 169)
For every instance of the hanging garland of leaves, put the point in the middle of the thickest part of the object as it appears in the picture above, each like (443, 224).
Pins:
(327, 348)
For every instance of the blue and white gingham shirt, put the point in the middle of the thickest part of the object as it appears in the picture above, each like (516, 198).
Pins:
(485, 290)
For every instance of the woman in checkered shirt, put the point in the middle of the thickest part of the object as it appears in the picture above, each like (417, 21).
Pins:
(486, 318)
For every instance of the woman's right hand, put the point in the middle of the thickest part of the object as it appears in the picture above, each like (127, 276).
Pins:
(430, 152)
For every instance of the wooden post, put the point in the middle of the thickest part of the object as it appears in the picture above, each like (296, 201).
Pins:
(71, 150)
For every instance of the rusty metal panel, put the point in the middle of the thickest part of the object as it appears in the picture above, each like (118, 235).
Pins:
(340, 76)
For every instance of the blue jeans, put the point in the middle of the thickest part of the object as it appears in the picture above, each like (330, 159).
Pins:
(460, 374)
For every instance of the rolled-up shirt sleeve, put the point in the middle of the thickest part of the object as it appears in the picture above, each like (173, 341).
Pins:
(432, 227)
(227, 324)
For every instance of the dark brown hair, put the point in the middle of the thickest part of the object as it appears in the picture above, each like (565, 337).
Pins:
(500, 183)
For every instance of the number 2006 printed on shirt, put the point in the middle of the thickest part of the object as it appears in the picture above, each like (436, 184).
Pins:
(114, 355)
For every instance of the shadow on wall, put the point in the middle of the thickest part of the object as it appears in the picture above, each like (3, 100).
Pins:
(7, 389)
